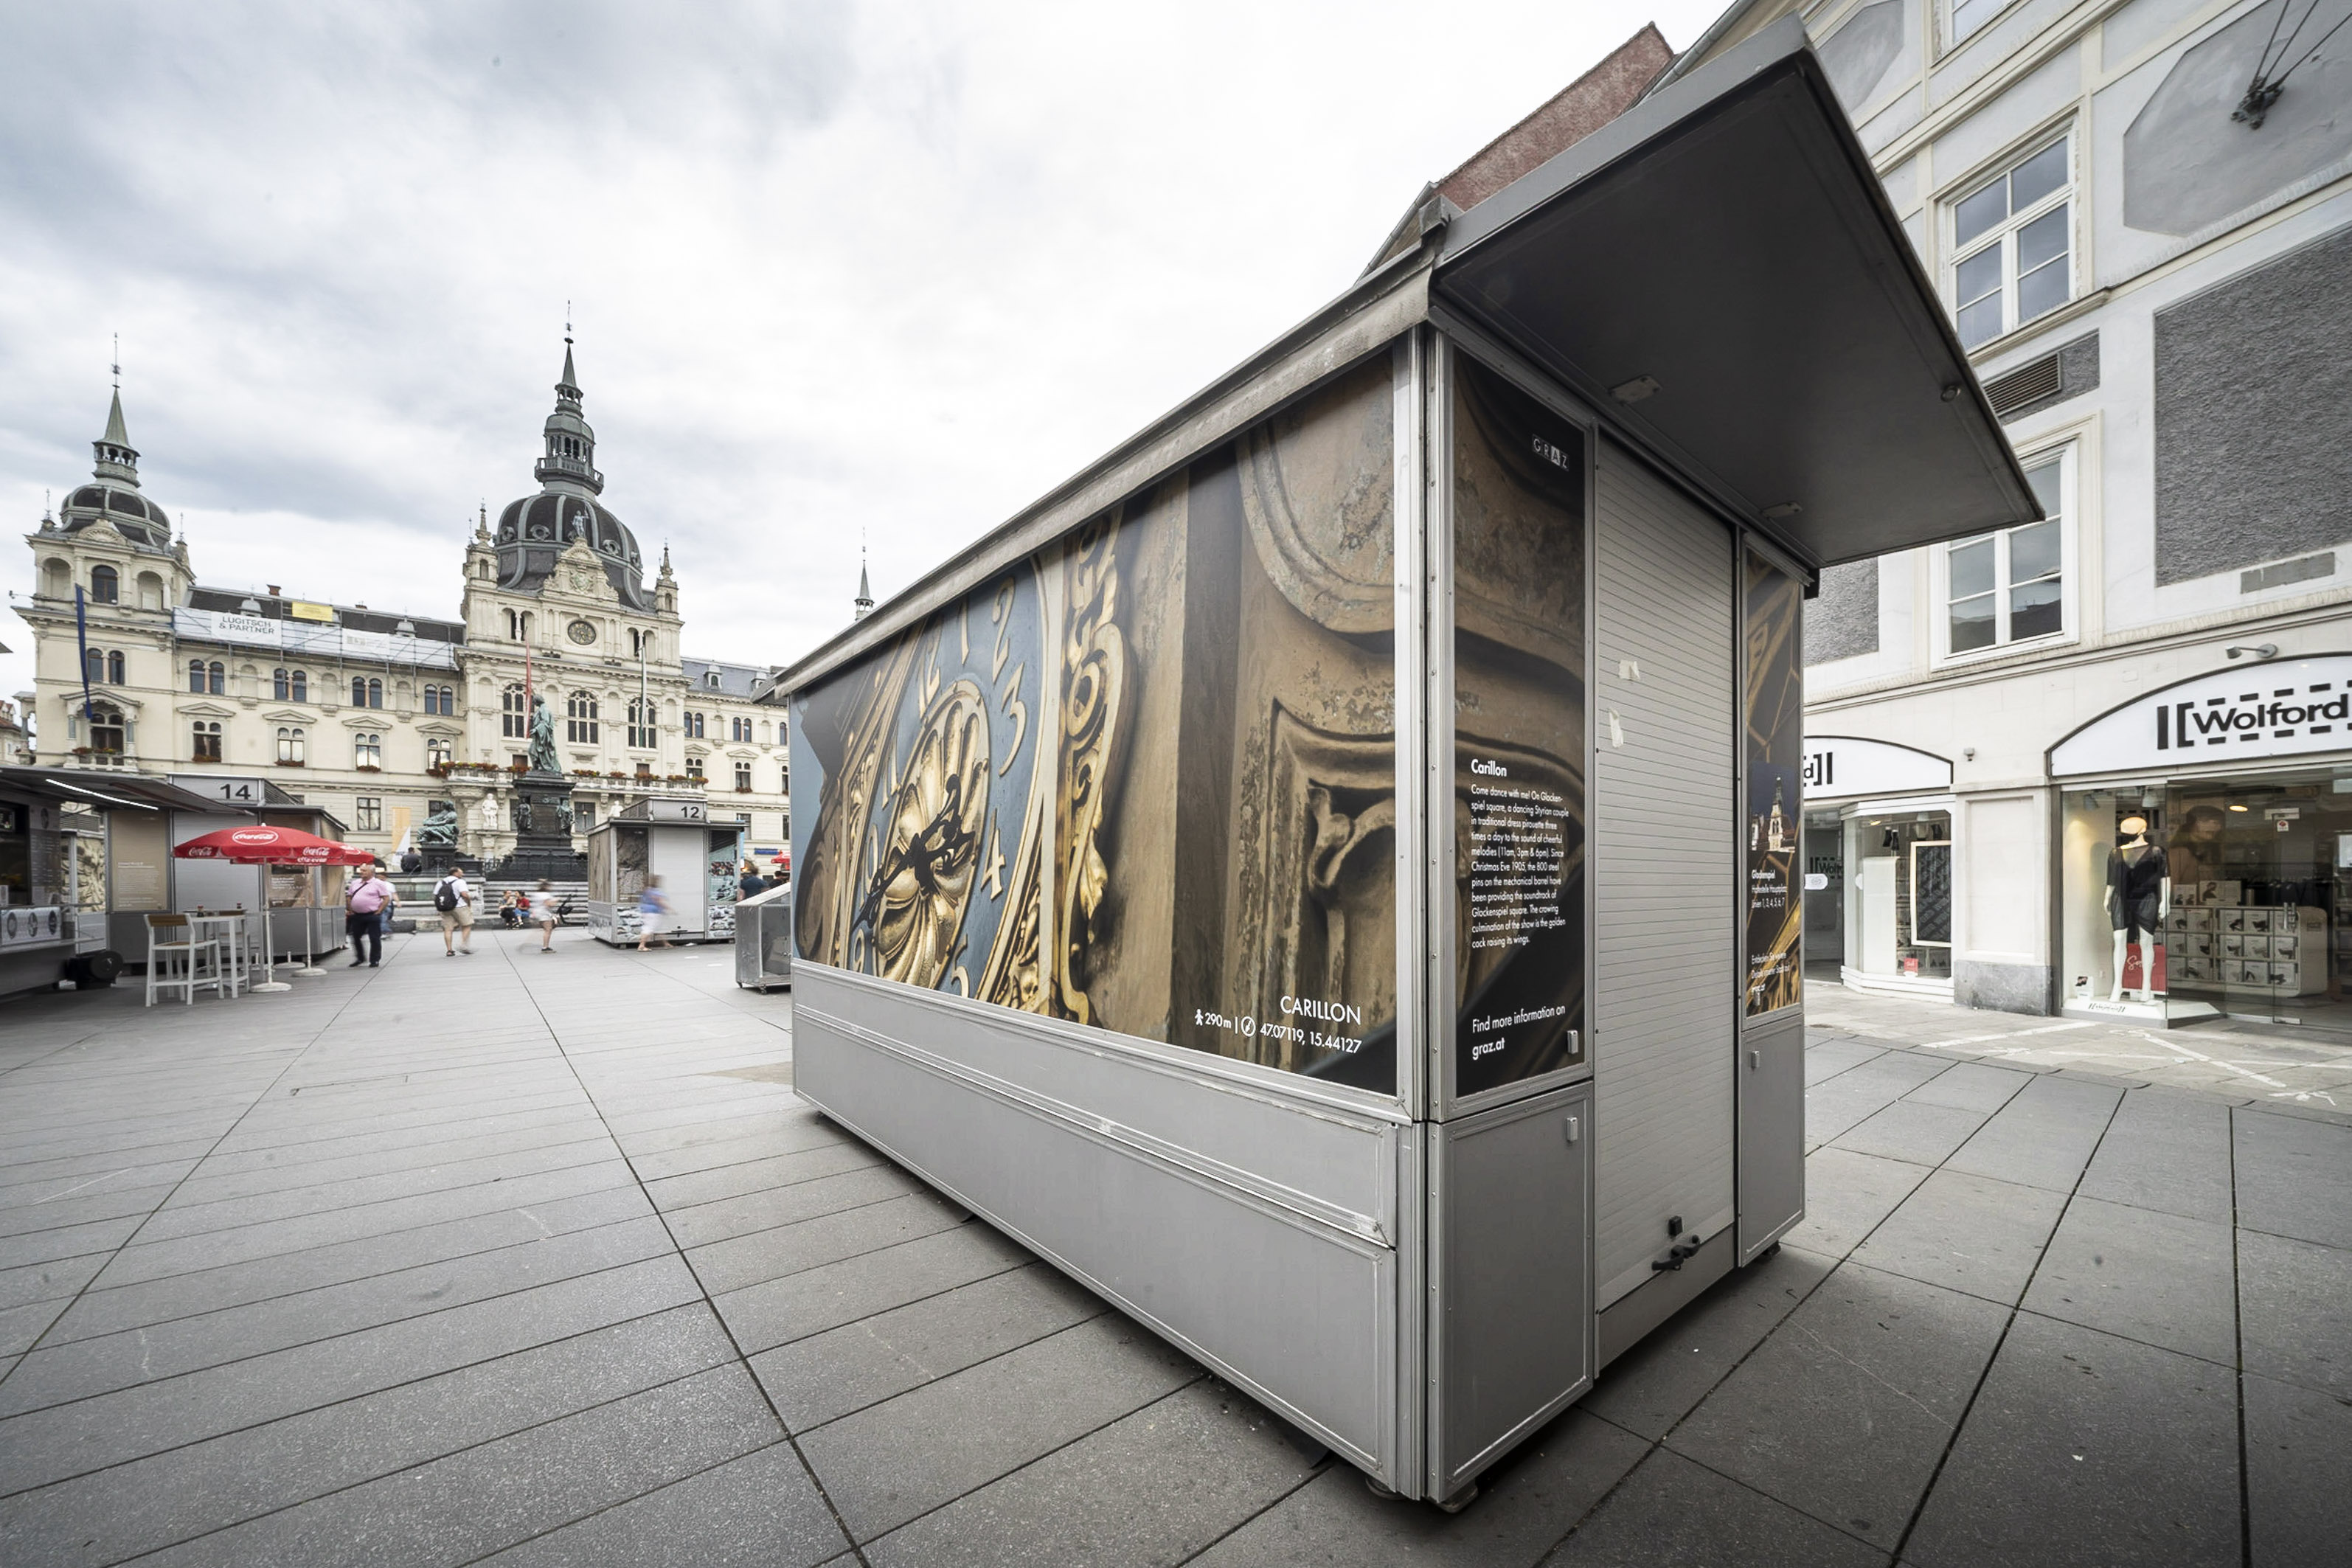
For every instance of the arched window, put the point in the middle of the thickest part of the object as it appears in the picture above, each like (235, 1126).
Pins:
(196, 675)
(57, 579)
(105, 584)
(281, 687)
(114, 667)
(291, 749)
(711, 679)
(151, 591)
(367, 751)
(301, 685)
(375, 693)
(208, 741)
(740, 728)
(694, 765)
(641, 723)
(579, 718)
(107, 734)
(216, 677)
(93, 667)
(742, 778)
(694, 725)
(437, 753)
(359, 691)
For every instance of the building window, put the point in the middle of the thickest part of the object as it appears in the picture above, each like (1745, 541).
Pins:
(514, 718)
(583, 815)
(1965, 17)
(280, 686)
(742, 729)
(2014, 246)
(637, 648)
(694, 767)
(216, 677)
(367, 751)
(694, 726)
(367, 814)
(151, 591)
(743, 778)
(367, 693)
(105, 584)
(519, 626)
(196, 675)
(114, 667)
(711, 679)
(107, 734)
(290, 685)
(438, 752)
(301, 685)
(580, 719)
(641, 724)
(208, 741)
(2010, 587)
(292, 750)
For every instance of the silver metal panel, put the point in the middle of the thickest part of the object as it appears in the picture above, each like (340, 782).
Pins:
(1666, 871)
(1513, 1338)
(1418, 980)
(1772, 1129)
(1252, 1228)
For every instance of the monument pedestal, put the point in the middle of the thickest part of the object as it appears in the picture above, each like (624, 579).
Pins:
(542, 825)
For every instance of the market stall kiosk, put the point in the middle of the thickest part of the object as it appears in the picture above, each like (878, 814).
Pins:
(1324, 877)
(305, 902)
(84, 856)
(672, 838)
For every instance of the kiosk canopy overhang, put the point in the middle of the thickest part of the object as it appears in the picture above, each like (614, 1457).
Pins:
(1720, 270)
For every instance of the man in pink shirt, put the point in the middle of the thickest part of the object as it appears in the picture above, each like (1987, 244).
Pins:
(364, 897)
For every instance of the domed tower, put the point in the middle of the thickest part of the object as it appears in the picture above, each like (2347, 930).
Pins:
(534, 532)
(113, 492)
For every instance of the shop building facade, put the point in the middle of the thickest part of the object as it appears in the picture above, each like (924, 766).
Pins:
(410, 727)
(2033, 745)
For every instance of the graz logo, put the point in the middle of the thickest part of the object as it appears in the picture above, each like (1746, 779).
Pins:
(2281, 715)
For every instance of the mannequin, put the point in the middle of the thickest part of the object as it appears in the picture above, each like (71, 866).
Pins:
(2139, 895)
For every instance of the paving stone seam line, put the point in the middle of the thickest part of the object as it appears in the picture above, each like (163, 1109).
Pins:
(1102, 1310)
(180, 1541)
(856, 1548)
(301, 1344)
(1984, 1374)
(293, 1058)
(333, 1284)
(1315, 1472)
(2238, 1341)
(1200, 1374)
(779, 1441)
(44, 1055)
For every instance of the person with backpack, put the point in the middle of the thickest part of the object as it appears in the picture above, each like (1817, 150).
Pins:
(653, 914)
(366, 897)
(455, 901)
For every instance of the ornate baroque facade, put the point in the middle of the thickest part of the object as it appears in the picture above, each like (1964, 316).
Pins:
(407, 727)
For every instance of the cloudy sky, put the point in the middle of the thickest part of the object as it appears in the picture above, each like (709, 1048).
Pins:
(879, 272)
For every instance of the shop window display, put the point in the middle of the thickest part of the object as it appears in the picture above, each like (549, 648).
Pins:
(1898, 896)
(2210, 896)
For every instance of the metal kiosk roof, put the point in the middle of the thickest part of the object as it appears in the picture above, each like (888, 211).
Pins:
(1726, 238)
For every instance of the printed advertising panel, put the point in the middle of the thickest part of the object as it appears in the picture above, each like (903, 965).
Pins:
(1518, 733)
(1146, 778)
(1775, 724)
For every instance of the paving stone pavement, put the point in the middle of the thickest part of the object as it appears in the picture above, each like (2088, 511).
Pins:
(536, 1260)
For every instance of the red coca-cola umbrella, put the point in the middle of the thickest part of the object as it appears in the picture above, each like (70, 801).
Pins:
(271, 846)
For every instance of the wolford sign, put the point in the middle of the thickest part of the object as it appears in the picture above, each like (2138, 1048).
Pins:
(2282, 708)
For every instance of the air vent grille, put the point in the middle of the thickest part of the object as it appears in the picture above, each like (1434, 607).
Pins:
(2030, 384)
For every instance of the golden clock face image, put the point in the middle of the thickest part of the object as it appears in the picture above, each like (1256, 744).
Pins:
(928, 852)
(582, 631)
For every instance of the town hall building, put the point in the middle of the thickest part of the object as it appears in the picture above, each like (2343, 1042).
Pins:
(410, 729)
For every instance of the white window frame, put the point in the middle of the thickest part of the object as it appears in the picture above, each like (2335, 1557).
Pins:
(2068, 455)
(2003, 234)
(1948, 21)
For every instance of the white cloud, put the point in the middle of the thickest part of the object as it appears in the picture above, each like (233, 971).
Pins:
(840, 272)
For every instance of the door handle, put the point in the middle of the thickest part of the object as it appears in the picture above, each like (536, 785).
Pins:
(1569, 1129)
(1755, 1060)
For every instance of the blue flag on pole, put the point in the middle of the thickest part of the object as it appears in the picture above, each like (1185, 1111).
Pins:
(81, 640)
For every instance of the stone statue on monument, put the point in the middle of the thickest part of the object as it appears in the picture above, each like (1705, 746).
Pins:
(542, 738)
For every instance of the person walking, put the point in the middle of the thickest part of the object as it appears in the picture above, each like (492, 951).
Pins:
(453, 899)
(365, 898)
(653, 914)
(751, 881)
(543, 915)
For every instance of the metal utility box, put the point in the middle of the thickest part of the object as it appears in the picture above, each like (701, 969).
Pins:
(674, 838)
(763, 939)
(1324, 877)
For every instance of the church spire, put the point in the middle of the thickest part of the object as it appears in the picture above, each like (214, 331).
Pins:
(865, 601)
(571, 455)
(118, 461)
